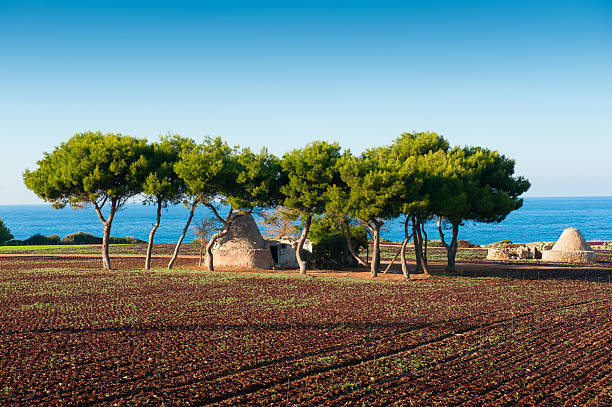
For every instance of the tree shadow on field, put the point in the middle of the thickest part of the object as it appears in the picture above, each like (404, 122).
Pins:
(600, 272)
(139, 328)
(524, 272)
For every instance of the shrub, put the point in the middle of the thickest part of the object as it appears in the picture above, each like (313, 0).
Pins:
(501, 243)
(81, 238)
(39, 239)
(125, 240)
(464, 244)
(87, 238)
(5, 233)
(330, 249)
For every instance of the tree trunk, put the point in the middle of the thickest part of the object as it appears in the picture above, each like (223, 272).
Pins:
(426, 241)
(418, 247)
(227, 223)
(152, 236)
(185, 229)
(300, 245)
(349, 242)
(403, 250)
(209, 255)
(451, 249)
(108, 223)
(375, 264)
(106, 263)
(451, 254)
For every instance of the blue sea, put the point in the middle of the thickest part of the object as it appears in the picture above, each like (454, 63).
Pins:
(540, 219)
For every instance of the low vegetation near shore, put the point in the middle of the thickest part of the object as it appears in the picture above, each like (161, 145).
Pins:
(88, 337)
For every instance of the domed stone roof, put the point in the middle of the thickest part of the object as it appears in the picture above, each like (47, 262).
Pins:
(571, 240)
(570, 248)
(243, 247)
(244, 234)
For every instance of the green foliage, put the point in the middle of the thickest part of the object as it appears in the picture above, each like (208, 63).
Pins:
(418, 158)
(39, 239)
(5, 233)
(90, 168)
(479, 185)
(214, 170)
(418, 144)
(257, 182)
(309, 173)
(330, 249)
(435, 243)
(81, 238)
(371, 187)
(125, 240)
(207, 169)
(418, 176)
(162, 184)
(87, 238)
(501, 243)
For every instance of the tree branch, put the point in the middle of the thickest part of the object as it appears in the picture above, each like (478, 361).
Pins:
(99, 212)
(103, 201)
(216, 213)
(441, 233)
(350, 245)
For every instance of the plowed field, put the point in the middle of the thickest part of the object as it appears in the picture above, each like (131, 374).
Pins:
(71, 335)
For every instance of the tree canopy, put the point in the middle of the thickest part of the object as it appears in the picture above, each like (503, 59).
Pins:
(92, 169)
(370, 192)
(162, 185)
(474, 184)
(258, 180)
(416, 157)
(418, 177)
(309, 172)
(208, 171)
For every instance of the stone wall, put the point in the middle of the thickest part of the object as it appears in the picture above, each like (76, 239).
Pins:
(245, 258)
(286, 251)
(286, 256)
(577, 257)
(516, 251)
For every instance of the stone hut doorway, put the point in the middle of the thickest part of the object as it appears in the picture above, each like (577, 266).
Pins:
(274, 252)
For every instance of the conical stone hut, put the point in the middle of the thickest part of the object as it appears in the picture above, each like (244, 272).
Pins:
(570, 248)
(243, 246)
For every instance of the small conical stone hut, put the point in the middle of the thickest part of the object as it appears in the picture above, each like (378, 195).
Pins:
(570, 248)
(243, 246)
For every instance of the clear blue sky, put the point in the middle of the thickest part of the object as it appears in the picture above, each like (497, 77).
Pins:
(531, 79)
